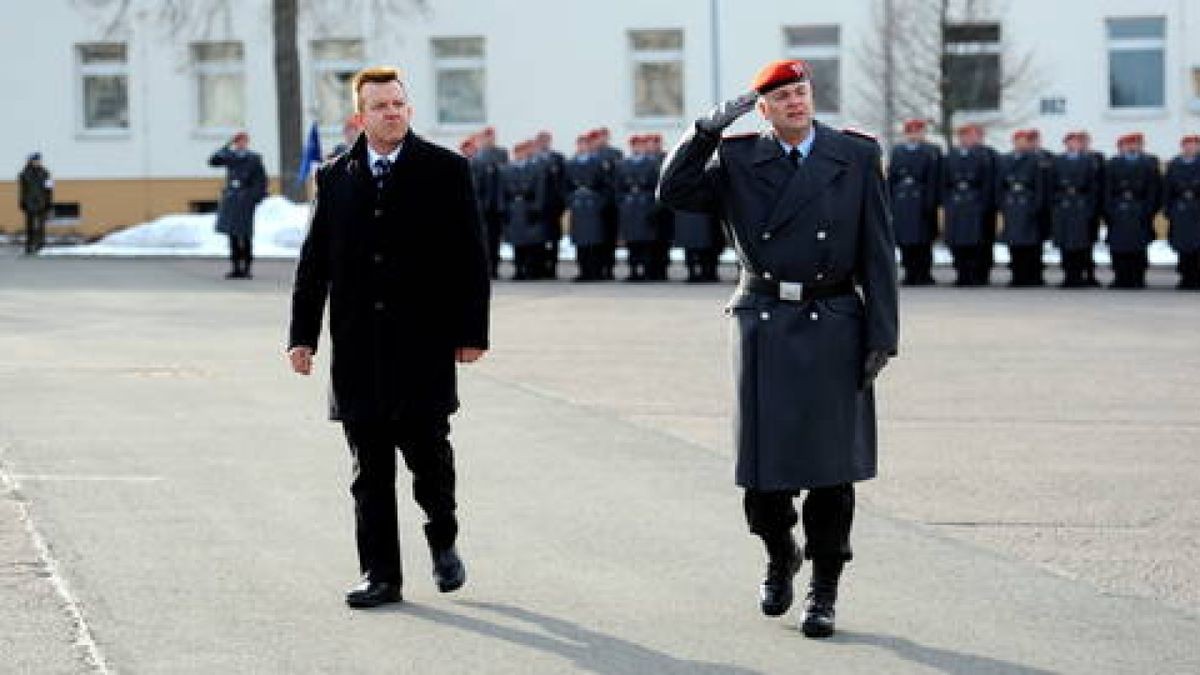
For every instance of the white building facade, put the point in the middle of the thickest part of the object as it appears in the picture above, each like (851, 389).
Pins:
(126, 114)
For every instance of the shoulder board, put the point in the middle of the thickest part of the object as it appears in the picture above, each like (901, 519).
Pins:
(739, 137)
(851, 131)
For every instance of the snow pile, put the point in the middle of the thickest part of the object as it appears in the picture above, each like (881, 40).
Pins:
(279, 227)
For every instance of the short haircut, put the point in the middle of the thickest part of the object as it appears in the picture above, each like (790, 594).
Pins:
(373, 75)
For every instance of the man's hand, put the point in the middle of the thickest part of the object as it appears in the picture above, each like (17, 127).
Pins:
(875, 361)
(302, 359)
(727, 113)
(468, 354)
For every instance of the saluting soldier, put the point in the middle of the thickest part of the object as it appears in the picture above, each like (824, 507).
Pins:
(636, 178)
(523, 198)
(968, 201)
(814, 317)
(1182, 208)
(1075, 188)
(554, 168)
(1020, 196)
(491, 158)
(1132, 195)
(245, 187)
(588, 201)
(914, 174)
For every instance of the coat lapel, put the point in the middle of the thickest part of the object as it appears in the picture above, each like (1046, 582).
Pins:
(823, 166)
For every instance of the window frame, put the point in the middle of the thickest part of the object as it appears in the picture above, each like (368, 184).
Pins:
(1133, 44)
(452, 63)
(104, 69)
(319, 65)
(638, 57)
(986, 48)
(197, 68)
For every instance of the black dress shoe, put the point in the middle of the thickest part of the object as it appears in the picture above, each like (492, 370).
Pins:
(448, 570)
(776, 593)
(373, 594)
(818, 614)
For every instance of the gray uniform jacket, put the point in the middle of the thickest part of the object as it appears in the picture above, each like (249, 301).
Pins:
(803, 419)
(245, 187)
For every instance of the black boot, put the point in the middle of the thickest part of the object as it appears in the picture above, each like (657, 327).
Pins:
(822, 595)
(783, 561)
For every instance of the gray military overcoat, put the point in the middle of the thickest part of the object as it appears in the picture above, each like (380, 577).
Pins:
(245, 187)
(802, 418)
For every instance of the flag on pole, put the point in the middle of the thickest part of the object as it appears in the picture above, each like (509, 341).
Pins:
(312, 154)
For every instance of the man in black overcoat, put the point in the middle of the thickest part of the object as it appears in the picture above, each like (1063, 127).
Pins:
(814, 318)
(397, 247)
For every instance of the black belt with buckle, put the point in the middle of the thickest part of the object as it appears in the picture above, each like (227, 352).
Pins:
(793, 291)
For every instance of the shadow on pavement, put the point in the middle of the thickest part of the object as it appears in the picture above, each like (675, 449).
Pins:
(587, 649)
(945, 660)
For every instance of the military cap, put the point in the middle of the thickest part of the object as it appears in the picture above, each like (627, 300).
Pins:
(1135, 137)
(241, 136)
(1190, 138)
(778, 73)
(913, 124)
(1075, 136)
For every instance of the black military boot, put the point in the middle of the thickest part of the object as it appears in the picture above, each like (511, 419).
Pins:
(783, 562)
(822, 595)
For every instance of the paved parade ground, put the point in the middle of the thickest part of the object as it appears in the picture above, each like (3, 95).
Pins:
(172, 499)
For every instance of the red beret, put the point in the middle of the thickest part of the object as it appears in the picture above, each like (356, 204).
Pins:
(1190, 138)
(968, 128)
(778, 73)
(1075, 135)
(1033, 134)
(1135, 137)
(1020, 134)
(594, 133)
(241, 136)
(914, 124)
(466, 144)
(489, 131)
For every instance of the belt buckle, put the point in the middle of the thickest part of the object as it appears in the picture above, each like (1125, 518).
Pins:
(791, 291)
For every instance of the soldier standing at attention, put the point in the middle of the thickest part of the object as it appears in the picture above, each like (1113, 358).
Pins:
(1019, 194)
(1045, 163)
(587, 197)
(968, 189)
(636, 178)
(1132, 195)
(554, 167)
(522, 196)
(245, 187)
(1074, 188)
(609, 158)
(664, 217)
(914, 173)
(36, 197)
(491, 158)
(814, 318)
(1098, 163)
(1182, 208)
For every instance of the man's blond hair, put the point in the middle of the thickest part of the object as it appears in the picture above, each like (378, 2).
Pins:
(373, 75)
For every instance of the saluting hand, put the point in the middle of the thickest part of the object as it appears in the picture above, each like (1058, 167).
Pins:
(727, 113)
(301, 359)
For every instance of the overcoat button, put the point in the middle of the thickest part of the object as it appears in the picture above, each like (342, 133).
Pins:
(378, 258)
(820, 276)
(378, 212)
(767, 275)
(821, 235)
(813, 316)
(765, 316)
(766, 236)
(379, 305)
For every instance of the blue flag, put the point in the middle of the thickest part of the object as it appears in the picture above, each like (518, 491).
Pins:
(312, 154)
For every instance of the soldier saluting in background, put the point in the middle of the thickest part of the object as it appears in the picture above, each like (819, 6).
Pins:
(245, 187)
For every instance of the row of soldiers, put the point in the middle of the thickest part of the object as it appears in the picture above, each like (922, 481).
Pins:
(1038, 196)
(600, 195)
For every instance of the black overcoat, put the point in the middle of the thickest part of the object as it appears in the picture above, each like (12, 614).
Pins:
(914, 175)
(406, 276)
(803, 419)
(1181, 204)
(636, 179)
(588, 199)
(245, 187)
(1020, 196)
(1132, 195)
(1075, 185)
(968, 196)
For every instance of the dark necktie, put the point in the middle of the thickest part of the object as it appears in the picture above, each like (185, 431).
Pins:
(382, 168)
(795, 157)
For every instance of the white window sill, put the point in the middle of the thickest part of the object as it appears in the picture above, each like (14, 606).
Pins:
(215, 133)
(103, 134)
(1136, 114)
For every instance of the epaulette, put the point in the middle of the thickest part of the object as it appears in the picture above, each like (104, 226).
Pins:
(738, 137)
(851, 131)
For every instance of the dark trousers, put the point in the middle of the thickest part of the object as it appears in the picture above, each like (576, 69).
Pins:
(1077, 267)
(1026, 265)
(972, 265)
(35, 232)
(659, 261)
(917, 260)
(1129, 269)
(528, 261)
(550, 260)
(591, 262)
(828, 513)
(495, 230)
(640, 260)
(427, 453)
(701, 264)
(241, 253)
(1189, 271)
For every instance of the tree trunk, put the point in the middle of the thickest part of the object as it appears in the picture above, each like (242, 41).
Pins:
(945, 95)
(289, 99)
(889, 74)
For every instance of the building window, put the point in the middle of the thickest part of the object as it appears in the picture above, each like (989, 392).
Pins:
(104, 81)
(334, 63)
(220, 85)
(657, 74)
(973, 66)
(459, 80)
(1136, 62)
(820, 48)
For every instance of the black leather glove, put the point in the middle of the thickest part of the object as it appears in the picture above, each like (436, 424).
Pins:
(875, 361)
(727, 113)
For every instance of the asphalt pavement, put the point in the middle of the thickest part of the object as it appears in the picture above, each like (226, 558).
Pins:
(173, 500)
